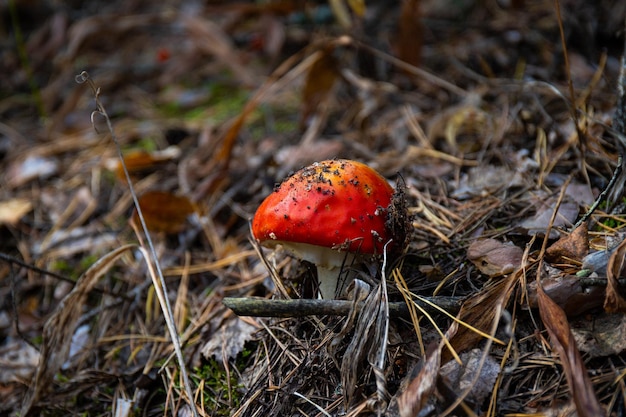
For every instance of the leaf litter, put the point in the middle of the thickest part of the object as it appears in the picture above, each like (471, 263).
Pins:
(495, 152)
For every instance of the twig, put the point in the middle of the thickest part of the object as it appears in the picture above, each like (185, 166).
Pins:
(13, 260)
(261, 307)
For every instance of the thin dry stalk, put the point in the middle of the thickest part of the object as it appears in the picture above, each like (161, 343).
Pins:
(150, 255)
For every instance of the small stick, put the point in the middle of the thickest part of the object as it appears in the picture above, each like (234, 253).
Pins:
(261, 307)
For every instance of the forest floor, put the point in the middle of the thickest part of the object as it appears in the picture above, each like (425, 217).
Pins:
(494, 120)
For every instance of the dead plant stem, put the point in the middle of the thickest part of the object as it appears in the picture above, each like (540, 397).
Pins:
(151, 256)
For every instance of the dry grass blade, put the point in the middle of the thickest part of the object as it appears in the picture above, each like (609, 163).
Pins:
(150, 254)
(60, 327)
(614, 302)
(581, 389)
(555, 320)
(401, 285)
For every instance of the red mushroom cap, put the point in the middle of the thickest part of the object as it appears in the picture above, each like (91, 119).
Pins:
(338, 204)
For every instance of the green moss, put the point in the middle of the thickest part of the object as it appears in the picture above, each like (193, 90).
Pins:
(222, 391)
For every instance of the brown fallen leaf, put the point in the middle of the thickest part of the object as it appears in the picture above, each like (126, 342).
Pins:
(464, 127)
(614, 302)
(494, 258)
(164, 212)
(408, 41)
(480, 310)
(423, 380)
(563, 342)
(319, 83)
(567, 292)
(574, 246)
(566, 215)
(141, 160)
(487, 179)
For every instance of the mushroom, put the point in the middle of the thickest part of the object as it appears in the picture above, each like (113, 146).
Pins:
(329, 213)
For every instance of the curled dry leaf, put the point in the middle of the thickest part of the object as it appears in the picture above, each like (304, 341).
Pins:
(572, 247)
(423, 379)
(614, 301)
(370, 337)
(494, 258)
(563, 342)
(466, 121)
(164, 212)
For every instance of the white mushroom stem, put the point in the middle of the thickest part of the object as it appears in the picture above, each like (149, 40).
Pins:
(327, 281)
(328, 262)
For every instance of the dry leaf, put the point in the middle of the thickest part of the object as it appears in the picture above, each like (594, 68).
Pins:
(466, 121)
(11, 211)
(58, 331)
(423, 379)
(229, 340)
(369, 339)
(422, 385)
(573, 246)
(603, 335)
(581, 389)
(494, 258)
(479, 310)
(140, 160)
(565, 217)
(614, 301)
(459, 377)
(319, 83)
(606, 246)
(485, 180)
(408, 42)
(18, 360)
(164, 212)
(567, 292)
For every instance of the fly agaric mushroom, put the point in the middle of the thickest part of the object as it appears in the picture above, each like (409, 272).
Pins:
(329, 213)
